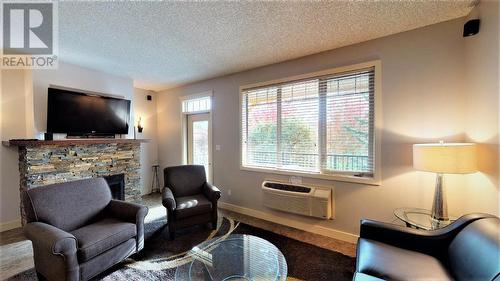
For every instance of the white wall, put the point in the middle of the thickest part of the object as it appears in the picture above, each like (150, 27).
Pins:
(482, 60)
(13, 125)
(23, 113)
(423, 100)
(72, 76)
(149, 151)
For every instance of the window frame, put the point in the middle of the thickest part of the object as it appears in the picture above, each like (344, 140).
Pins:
(207, 94)
(335, 176)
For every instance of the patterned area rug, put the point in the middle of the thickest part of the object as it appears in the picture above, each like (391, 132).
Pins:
(160, 256)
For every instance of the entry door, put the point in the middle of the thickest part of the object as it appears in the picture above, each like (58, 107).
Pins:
(199, 141)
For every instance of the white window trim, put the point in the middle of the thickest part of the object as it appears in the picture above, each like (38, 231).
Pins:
(377, 141)
(197, 96)
(184, 124)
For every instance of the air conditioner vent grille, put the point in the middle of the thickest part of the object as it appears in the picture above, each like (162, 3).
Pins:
(287, 187)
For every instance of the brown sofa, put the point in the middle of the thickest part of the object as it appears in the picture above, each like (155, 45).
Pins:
(78, 231)
(188, 197)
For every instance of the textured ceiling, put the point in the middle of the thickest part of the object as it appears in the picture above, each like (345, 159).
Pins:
(165, 44)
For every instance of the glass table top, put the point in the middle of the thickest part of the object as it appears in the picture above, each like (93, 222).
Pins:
(237, 257)
(420, 218)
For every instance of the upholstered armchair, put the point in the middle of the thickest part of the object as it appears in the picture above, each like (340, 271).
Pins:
(466, 250)
(188, 197)
(78, 231)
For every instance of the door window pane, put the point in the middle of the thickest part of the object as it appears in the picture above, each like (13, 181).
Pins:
(200, 144)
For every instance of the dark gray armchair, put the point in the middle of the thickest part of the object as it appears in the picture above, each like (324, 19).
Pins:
(188, 197)
(78, 231)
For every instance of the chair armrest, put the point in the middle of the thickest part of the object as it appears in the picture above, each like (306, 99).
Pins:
(59, 241)
(432, 242)
(168, 199)
(133, 213)
(127, 211)
(211, 192)
(49, 245)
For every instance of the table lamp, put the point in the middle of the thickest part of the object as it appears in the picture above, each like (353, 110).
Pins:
(444, 158)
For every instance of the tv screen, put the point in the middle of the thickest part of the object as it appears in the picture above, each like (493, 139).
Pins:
(77, 113)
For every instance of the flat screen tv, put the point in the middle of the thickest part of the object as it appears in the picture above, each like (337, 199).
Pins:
(81, 114)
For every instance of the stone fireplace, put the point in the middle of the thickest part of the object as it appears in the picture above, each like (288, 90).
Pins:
(47, 162)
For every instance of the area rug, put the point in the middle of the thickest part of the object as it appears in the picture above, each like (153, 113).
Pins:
(160, 256)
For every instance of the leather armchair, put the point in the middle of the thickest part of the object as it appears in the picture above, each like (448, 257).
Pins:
(78, 231)
(188, 197)
(468, 249)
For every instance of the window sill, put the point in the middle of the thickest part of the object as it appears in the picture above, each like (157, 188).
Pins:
(332, 177)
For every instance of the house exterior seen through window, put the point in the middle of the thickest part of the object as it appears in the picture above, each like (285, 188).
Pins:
(318, 125)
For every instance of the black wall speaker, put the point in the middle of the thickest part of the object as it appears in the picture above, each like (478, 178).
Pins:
(471, 27)
(149, 97)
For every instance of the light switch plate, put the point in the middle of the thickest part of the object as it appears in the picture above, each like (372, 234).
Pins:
(217, 147)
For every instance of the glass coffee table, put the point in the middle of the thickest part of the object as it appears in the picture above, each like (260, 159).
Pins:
(237, 257)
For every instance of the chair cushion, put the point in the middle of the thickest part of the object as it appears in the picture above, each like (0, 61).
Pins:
(388, 262)
(94, 239)
(189, 206)
(479, 241)
(104, 261)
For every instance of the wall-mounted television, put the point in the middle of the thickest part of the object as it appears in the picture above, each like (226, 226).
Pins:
(82, 114)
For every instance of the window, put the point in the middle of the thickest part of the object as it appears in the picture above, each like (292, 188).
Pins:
(195, 105)
(322, 124)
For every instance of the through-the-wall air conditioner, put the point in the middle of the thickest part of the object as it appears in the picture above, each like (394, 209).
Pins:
(299, 199)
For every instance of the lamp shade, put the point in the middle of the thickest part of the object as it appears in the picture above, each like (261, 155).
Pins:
(445, 158)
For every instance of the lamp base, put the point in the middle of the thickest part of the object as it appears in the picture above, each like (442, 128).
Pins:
(439, 206)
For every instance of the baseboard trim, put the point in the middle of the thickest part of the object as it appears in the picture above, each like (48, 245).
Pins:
(316, 229)
(10, 225)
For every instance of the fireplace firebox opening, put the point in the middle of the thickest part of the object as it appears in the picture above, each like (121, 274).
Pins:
(117, 186)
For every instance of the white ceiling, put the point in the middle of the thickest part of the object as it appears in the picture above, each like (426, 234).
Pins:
(165, 44)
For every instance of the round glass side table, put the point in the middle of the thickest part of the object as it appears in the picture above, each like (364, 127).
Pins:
(420, 218)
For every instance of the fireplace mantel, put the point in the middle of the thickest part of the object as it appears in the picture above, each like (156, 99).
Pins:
(31, 143)
(47, 162)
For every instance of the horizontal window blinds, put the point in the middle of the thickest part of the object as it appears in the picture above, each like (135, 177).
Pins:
(318, 125)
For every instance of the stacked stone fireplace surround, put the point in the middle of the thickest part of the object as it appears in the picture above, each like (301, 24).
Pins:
(51, 162)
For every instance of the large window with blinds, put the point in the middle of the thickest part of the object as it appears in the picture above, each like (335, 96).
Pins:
(317, 125)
